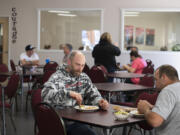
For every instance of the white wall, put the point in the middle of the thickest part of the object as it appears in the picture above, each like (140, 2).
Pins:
(27, 24)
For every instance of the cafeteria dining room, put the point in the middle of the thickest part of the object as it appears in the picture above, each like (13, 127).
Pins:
(151, 26)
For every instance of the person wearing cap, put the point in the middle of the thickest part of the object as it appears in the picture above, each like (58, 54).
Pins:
(67, 50)
(29, 57)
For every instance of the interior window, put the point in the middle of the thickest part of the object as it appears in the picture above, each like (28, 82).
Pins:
(151, 30)
(77, 27)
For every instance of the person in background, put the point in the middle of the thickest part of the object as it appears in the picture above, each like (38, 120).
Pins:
(81, 48)
(69, 86)
(29, 58)
(67, 51)
(61, 46)
(104, 53)
(164, 115)
(134, 48)
(138, 64)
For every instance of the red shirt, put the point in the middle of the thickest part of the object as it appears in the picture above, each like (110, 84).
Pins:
(138, 64)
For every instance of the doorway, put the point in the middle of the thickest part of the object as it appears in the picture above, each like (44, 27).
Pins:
(4, 40)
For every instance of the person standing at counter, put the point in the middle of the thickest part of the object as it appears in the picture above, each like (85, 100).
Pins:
(104, 53)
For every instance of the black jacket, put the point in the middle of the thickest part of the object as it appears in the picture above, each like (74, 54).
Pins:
(104, 53)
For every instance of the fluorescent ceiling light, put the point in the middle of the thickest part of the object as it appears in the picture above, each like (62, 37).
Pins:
(56, 11)
(131, 15)
(72, 15)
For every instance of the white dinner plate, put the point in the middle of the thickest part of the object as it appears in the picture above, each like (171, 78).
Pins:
(87, 108)
(136, 114)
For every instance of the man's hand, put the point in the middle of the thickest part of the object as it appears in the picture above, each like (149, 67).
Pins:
(76, 96)
(144, 106)
(103, 104)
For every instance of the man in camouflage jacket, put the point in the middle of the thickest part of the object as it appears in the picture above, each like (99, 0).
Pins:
(68, 86)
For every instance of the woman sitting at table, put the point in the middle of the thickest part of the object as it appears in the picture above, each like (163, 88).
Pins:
(138, 64)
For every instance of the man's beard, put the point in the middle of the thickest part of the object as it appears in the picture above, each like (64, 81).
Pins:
(75, 73)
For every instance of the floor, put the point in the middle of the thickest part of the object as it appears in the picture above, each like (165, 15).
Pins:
(25, 124)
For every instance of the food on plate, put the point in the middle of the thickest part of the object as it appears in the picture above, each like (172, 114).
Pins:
(88, 107)
(117, 108)
(136, 113)
(121, 115)
(126, 109)
(121, 112)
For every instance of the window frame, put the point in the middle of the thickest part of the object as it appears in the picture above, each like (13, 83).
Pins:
(68, 9)
(122, 14)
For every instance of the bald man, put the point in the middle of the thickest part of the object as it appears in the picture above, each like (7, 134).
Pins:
(69, 87)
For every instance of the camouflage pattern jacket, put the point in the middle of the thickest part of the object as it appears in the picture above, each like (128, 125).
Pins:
(56, 89)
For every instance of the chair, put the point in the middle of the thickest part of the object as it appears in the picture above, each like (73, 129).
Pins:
(147, 81)
(13, 66)
(149, 69)
(3, 68)
(10, 93)
(52, 65)
(35, 98)
(86, 69)
(98, 74)
(48, 121)
(151, 98)
(44, 79)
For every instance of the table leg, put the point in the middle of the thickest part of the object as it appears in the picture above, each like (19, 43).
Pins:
(123, 80)
(124, 130)
(109, 94)
(22, 92)
(106, 131)
(3, 114)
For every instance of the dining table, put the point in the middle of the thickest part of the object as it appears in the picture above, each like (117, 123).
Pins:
(104, 119)
(123, 75)
(109, 88)
(30, 72)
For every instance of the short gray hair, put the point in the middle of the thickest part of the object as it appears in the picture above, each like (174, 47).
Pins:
(73, 54)
(69, 46)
